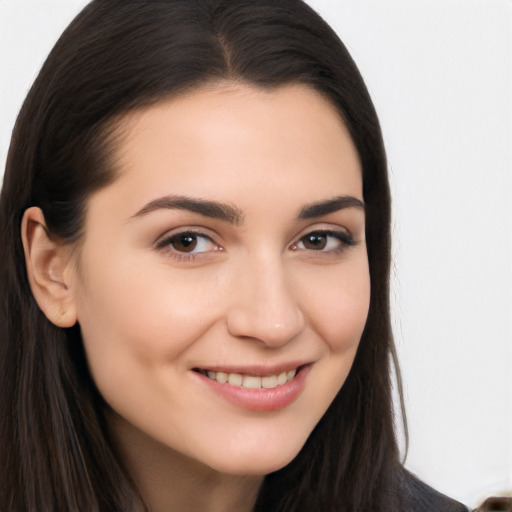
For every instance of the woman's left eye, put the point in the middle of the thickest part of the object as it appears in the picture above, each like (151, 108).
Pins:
(324, 241)
(188, 243)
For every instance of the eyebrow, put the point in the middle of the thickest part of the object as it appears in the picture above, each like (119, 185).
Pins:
(329, 206)
(234, 215)
(213, 209)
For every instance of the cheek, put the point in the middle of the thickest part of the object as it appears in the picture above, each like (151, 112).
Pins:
(338, 305)
(140, 315)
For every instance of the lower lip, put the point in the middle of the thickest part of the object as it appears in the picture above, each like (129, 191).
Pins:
(260, 399)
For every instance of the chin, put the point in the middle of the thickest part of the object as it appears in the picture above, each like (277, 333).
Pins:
(260, 463)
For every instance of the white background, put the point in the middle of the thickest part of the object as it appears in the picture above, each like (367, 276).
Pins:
(440, 73)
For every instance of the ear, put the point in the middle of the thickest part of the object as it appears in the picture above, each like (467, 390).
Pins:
(49, 269)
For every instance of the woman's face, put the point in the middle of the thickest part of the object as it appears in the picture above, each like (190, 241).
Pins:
(231, 247)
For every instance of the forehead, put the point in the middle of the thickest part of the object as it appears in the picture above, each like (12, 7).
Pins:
(222, 140)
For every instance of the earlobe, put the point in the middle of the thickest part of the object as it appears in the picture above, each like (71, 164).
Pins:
(48, 269)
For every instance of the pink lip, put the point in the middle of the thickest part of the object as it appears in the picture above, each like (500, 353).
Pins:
(259, 399)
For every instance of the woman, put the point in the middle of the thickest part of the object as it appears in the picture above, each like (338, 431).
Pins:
(187, 321)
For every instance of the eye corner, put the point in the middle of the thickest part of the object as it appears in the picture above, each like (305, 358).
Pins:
(187, 244)
(324, 240)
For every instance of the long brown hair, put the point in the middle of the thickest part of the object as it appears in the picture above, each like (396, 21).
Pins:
(118, 55)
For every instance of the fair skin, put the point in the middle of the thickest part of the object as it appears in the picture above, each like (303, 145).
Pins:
(232, 242)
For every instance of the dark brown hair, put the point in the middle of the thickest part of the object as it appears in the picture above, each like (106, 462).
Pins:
(118, 55)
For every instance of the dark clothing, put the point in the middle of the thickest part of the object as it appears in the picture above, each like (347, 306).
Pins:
(415, 496)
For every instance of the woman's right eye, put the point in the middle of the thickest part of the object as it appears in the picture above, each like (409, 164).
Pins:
(188, 242)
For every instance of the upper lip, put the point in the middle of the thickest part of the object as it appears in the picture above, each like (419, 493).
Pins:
(261, 370)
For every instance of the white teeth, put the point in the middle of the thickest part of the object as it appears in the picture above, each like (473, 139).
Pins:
(269, 382)
(235, 379)
(281, 379)
(251, 381)
(221, 377)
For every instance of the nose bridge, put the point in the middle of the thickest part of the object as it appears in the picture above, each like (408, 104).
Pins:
(265, 306)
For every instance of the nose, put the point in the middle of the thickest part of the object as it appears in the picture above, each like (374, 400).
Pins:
(264, 306)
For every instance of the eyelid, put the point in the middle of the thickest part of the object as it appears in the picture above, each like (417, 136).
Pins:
(341, 233)
(182, 230)
(166, 241)
(324, 228)
(164, 244)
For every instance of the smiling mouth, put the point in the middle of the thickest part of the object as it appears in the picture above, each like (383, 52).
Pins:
(251, 381)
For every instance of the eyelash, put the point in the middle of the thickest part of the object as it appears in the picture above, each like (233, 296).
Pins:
(345, 239)
(169, 241)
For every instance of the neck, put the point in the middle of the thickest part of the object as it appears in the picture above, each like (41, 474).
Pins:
(169, 481)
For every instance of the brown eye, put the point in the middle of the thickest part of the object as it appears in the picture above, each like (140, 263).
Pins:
(185, 242)
(188, 242)
(315, 241)
(325, 241)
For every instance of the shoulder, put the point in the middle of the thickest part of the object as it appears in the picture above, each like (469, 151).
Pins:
(415, 495)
